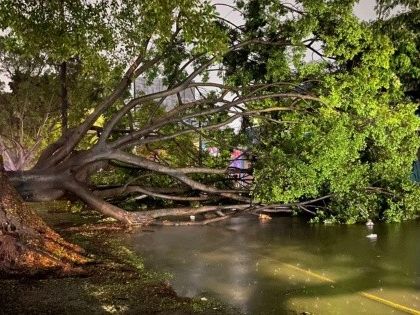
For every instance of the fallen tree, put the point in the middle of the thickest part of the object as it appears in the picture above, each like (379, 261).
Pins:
(62, 168)
(301, 108)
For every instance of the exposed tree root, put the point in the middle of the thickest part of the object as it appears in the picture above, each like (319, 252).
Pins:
(27, 244)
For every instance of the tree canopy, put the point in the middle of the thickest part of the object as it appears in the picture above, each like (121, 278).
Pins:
(326, 102)
(356, 143)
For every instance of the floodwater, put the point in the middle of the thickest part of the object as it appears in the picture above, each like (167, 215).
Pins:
(287, 266)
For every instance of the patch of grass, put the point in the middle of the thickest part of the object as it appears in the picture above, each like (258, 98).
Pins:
(117, 282)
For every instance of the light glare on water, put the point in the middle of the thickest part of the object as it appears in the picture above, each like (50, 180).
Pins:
(288, 266)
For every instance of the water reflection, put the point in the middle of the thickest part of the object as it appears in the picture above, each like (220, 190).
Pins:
(288, 266)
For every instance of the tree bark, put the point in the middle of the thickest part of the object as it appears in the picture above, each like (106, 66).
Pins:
(27, 244)
(64, 106)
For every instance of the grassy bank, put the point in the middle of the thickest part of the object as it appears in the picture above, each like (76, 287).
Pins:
(115, 282)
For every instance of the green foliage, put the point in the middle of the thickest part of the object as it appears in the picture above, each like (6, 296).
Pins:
(97, 40)
(353, 138)
(358, 142)
(97, 32)
(402, 29)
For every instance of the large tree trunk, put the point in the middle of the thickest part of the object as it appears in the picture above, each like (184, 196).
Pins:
(27, 244)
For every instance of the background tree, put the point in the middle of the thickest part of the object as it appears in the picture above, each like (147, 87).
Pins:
(31, 106)
(59, 34)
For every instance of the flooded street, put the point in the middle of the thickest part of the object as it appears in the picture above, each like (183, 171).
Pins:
(288, 266)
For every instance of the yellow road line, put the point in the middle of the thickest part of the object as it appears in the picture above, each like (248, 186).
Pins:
(397, 306)
(308, 272)
(372, 297)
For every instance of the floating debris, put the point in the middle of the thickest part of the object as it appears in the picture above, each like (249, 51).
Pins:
(264, 217)
(369, 223)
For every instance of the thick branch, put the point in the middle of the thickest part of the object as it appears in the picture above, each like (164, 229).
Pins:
(287, 207)
(184, 132)
(182, 86)
(133, 138)
(176, 89)
(190, 210)
(193, 129)
(119, 191)
(150, 165)
(104, 207)
(71, 139)
(169, 117)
